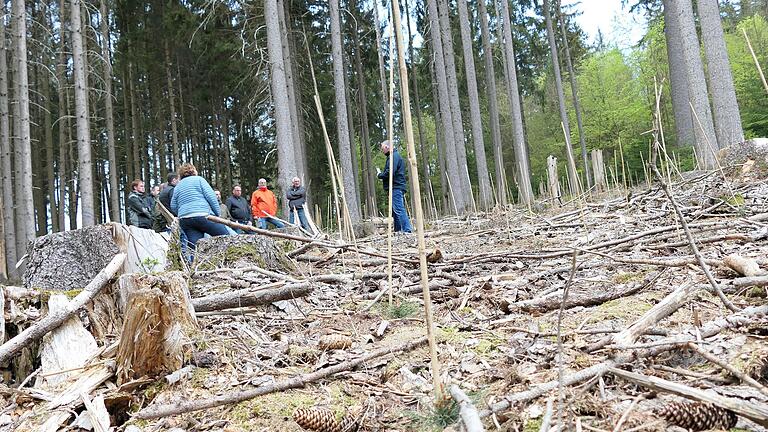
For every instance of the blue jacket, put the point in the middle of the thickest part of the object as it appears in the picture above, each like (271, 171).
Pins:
(193, 196)
(398, 175)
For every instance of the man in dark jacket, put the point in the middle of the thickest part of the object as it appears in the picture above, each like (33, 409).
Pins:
(138, 212)
(239, 207)
(297, 197)
(399, 215)
(167, 193)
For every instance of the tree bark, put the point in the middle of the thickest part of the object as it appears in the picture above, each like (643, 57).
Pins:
(573, 175)
(440, 141)
(84, 166)
(369, 178)
(575, 94)
(25, 224)
(50, 155)
(297, 124)
(493, 105)
(63, 120)
(250, 297)
(725, 108)
(425, 156)
(6, 154)
(680, 13)
(453, 174)
(521, 153)
(286, 158)
(382, 79)
(114, 204)
(486, 195)
(678, 82)
(463, 184)
(342, 124)
(136, 135)
(172, 109)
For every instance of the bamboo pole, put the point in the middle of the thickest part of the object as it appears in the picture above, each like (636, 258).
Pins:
(390, 138)
(757, 63)
(418, 211)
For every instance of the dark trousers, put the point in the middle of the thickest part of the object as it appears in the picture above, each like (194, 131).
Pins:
(196, 227)
(399, 215)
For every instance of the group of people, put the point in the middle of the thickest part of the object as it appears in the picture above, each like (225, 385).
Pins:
(189, 197)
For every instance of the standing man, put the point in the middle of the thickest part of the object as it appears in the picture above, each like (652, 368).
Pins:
(264, 206)
(138, 212)
(238, 206)
(224, 210)
(399, 215)
(297, 196)
(152, 198)
(167, 193)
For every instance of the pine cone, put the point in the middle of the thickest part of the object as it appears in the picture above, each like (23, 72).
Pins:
(334, 342)
(434, 256)
(697, 416)
(323, 420)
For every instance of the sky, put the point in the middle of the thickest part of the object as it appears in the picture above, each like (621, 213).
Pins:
(619, 27)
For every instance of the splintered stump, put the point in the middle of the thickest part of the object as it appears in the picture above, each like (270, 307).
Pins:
(158, 321)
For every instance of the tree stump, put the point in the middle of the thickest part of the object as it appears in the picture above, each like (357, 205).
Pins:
(241, 251)
(159, 319)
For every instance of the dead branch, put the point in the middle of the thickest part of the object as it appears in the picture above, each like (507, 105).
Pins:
(159, 411)
(250, 297)
(467, 411)
(51, 321)
(732, 370)
(754, 412)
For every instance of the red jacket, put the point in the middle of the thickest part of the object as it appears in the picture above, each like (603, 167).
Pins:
(263, 203)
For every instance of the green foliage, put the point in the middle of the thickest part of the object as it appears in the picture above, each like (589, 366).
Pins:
(439, 416)
(400, 309)
(752, 98)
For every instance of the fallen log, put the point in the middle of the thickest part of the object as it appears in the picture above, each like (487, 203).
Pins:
(153, 412)
(589, 298)
(746, 409)
(467, 411)
(251, 297)
(158, 319)
(53, 320)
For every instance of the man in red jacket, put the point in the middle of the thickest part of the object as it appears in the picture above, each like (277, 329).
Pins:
(264, 206)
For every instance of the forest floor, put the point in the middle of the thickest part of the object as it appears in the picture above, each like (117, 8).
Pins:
(497, 293)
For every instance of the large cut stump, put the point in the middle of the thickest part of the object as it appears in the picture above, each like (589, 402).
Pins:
(159, 320)
(753, 152)
(241, 251)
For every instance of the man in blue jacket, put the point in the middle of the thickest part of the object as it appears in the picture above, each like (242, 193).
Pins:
(399, 215)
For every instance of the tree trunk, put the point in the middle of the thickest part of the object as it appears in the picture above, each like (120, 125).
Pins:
(26, 223)
(493, 107)
(484, 185)
(724, 106)
(293, 97)
(521, 154)
(71, 156)
(137, 137)
(573, 175)
(681, 13)
(9, 226)
(678, 81)
(369, 178)
(84, 166)
(425, 156)
(463, 185)
(172, 110)
(286, 158)
(127, 134)
(454, 174)
(575, 94)
(440, 141)
(50, 156)
(114, 204)
(342, 124)
(382, 78)
(63, 120)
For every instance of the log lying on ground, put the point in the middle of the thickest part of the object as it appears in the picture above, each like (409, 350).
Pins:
(251, 297)
(153, 412)
(158, 319)
(53, 320)
(467, 411)
(746, 409)
(587, 298)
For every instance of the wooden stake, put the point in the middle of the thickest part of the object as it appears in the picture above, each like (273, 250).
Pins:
(419, 212)
(757, 63)
(390, 137)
